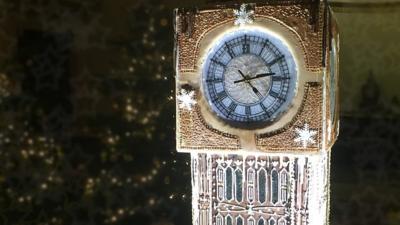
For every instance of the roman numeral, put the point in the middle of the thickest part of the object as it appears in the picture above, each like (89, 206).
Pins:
(277, 59)
(221, 95)
(248, 110)
(279, 78)
(218, 62)
(232, 107)
(273, 94)
(215, 80)
(230, 52)
(265, 109)
(266, 45)
(262, 49)
(246, 48)
(276, 95)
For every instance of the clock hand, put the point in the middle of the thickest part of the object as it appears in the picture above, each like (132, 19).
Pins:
(263, 75)
(255, 90)
(252, 78)
(244, 77)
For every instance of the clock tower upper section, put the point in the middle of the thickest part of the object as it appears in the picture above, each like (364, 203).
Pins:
(256, 78)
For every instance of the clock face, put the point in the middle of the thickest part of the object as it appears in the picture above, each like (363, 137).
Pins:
(249, 76)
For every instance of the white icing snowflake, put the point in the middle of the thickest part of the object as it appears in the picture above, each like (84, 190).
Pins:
(243, 16)
(305, 135)
(186, 99)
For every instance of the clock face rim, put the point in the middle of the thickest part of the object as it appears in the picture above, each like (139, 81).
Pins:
(290, 59)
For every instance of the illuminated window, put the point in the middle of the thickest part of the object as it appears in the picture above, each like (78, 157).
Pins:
(284, 187)
(220, 175)
(250, 184)
(250, 221)
(250, 193)
(219, 220)
(220, 192)
(250, 176)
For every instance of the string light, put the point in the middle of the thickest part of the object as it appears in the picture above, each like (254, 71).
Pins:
(60, 160)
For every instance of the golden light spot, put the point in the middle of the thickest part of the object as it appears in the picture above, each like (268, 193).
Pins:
(113, 218)
(120, 211)
(24, 153)
(152, 201)
(111, 140)
(128, 108)
(163, 22)
(44, 186)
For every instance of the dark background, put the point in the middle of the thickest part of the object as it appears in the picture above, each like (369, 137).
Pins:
(87, 114)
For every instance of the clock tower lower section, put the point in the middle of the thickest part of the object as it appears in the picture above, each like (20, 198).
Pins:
(234, 189)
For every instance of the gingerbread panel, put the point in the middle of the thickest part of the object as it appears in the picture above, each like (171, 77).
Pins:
(195, 133)
(309, 118)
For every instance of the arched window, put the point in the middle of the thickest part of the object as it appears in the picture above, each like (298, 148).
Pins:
(250, 221)
(219, 220)
(250, 176)
(261, 221)
(239, 221)
(220, 175)
(284, 187)
(228, 220)
(220, 183)
(238, 185)
(228, 184)
(274, 187)
(250, 184)
(282, 222)
(272, 221)
(220, 192)
(261, 185)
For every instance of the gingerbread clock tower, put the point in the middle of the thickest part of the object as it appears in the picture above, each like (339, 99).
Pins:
(257, 109)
